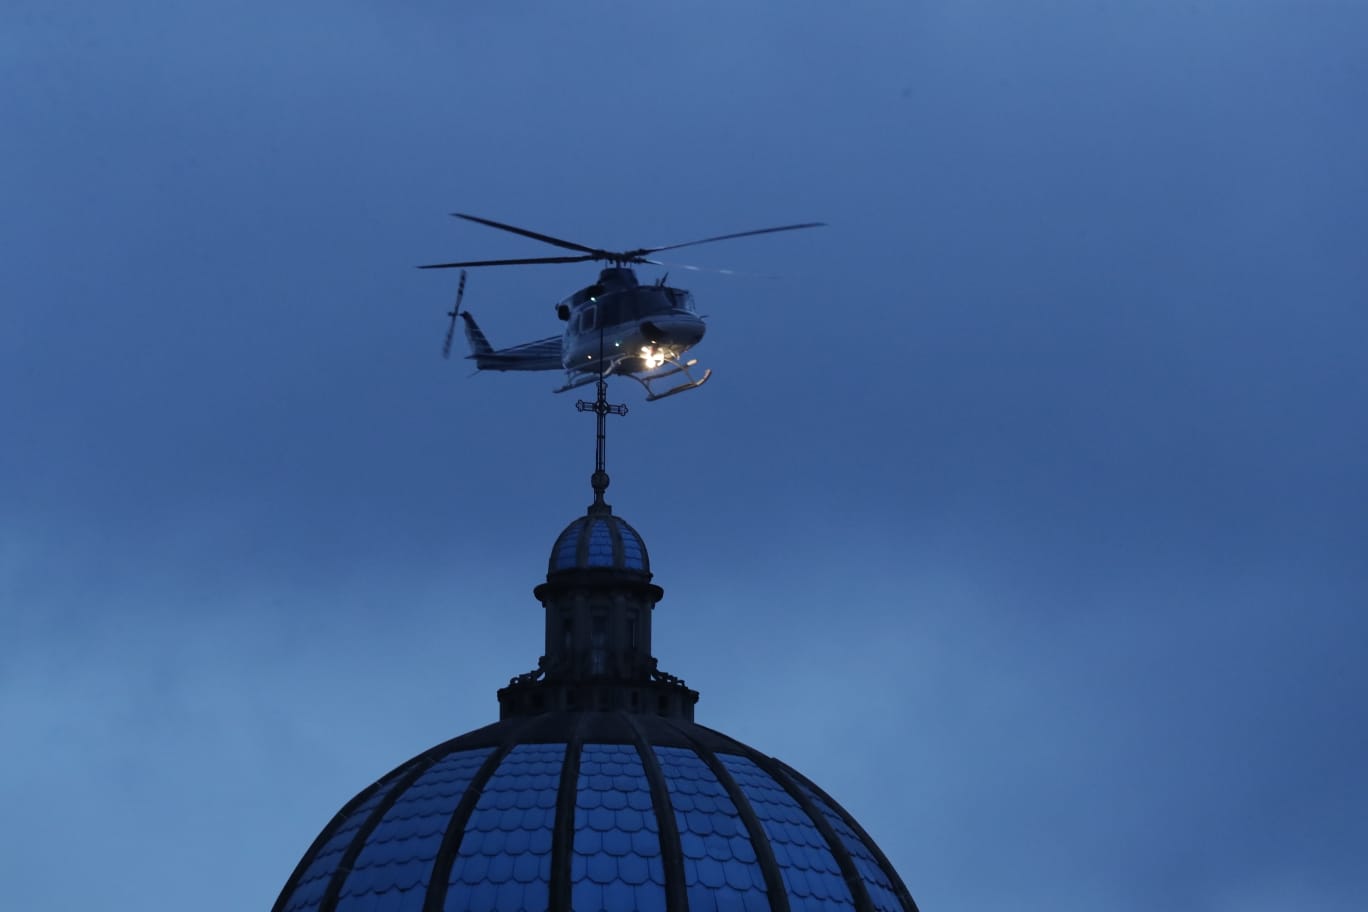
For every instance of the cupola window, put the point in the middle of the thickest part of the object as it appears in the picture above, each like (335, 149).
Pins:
(598, 653)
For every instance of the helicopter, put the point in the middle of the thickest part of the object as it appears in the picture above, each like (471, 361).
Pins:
(616, 326)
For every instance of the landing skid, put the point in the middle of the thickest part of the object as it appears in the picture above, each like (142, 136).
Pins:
(675, 367)
(584, 379)
(669, 369)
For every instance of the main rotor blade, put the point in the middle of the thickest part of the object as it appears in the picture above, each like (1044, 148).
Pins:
(724, 237)
(523, 262)
(544, 238)
(731, 272)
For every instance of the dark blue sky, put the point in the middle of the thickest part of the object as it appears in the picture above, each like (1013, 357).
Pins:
(1026, 511)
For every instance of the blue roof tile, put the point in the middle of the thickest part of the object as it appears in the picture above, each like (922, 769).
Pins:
(399, 852)
(877, 882)
(308, 892)
(720, 867)
(617, 865)
(600, 540)
(519, 798)
(812, 878)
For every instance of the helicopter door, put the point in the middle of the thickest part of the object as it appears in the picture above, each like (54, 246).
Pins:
(588, 319)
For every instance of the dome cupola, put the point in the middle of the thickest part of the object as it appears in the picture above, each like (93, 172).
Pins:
(599, 540)
(598, 601)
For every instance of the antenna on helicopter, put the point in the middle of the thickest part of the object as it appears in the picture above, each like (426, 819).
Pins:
(454, 313)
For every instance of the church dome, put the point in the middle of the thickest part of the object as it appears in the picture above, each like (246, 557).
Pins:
(593, 812)
(599, 540)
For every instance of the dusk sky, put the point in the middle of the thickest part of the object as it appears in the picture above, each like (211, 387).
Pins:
(1026, 511)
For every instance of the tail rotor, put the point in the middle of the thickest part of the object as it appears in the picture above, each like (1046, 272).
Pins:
(454, 313)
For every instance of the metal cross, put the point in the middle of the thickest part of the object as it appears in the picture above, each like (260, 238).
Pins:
(601, 408)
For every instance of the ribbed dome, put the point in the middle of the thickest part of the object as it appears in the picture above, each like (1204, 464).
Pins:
(593, 812)
(599, 540)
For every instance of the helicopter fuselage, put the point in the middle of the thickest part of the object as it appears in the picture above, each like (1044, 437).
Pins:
(634, 327)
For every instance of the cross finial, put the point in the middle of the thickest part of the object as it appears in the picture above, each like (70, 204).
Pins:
(601, 408)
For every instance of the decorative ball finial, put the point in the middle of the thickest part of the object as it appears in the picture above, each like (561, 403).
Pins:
(599, 481)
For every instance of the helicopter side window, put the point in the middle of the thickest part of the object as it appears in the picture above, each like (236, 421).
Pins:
(588, 318)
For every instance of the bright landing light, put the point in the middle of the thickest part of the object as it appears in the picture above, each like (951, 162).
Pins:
(652, 358)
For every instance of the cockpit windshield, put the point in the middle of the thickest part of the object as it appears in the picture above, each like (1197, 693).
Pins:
(681, 300)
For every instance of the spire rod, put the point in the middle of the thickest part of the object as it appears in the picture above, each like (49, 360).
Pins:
(601, 408)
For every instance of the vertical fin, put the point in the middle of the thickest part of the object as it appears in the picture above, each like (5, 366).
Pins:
(479, 345)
